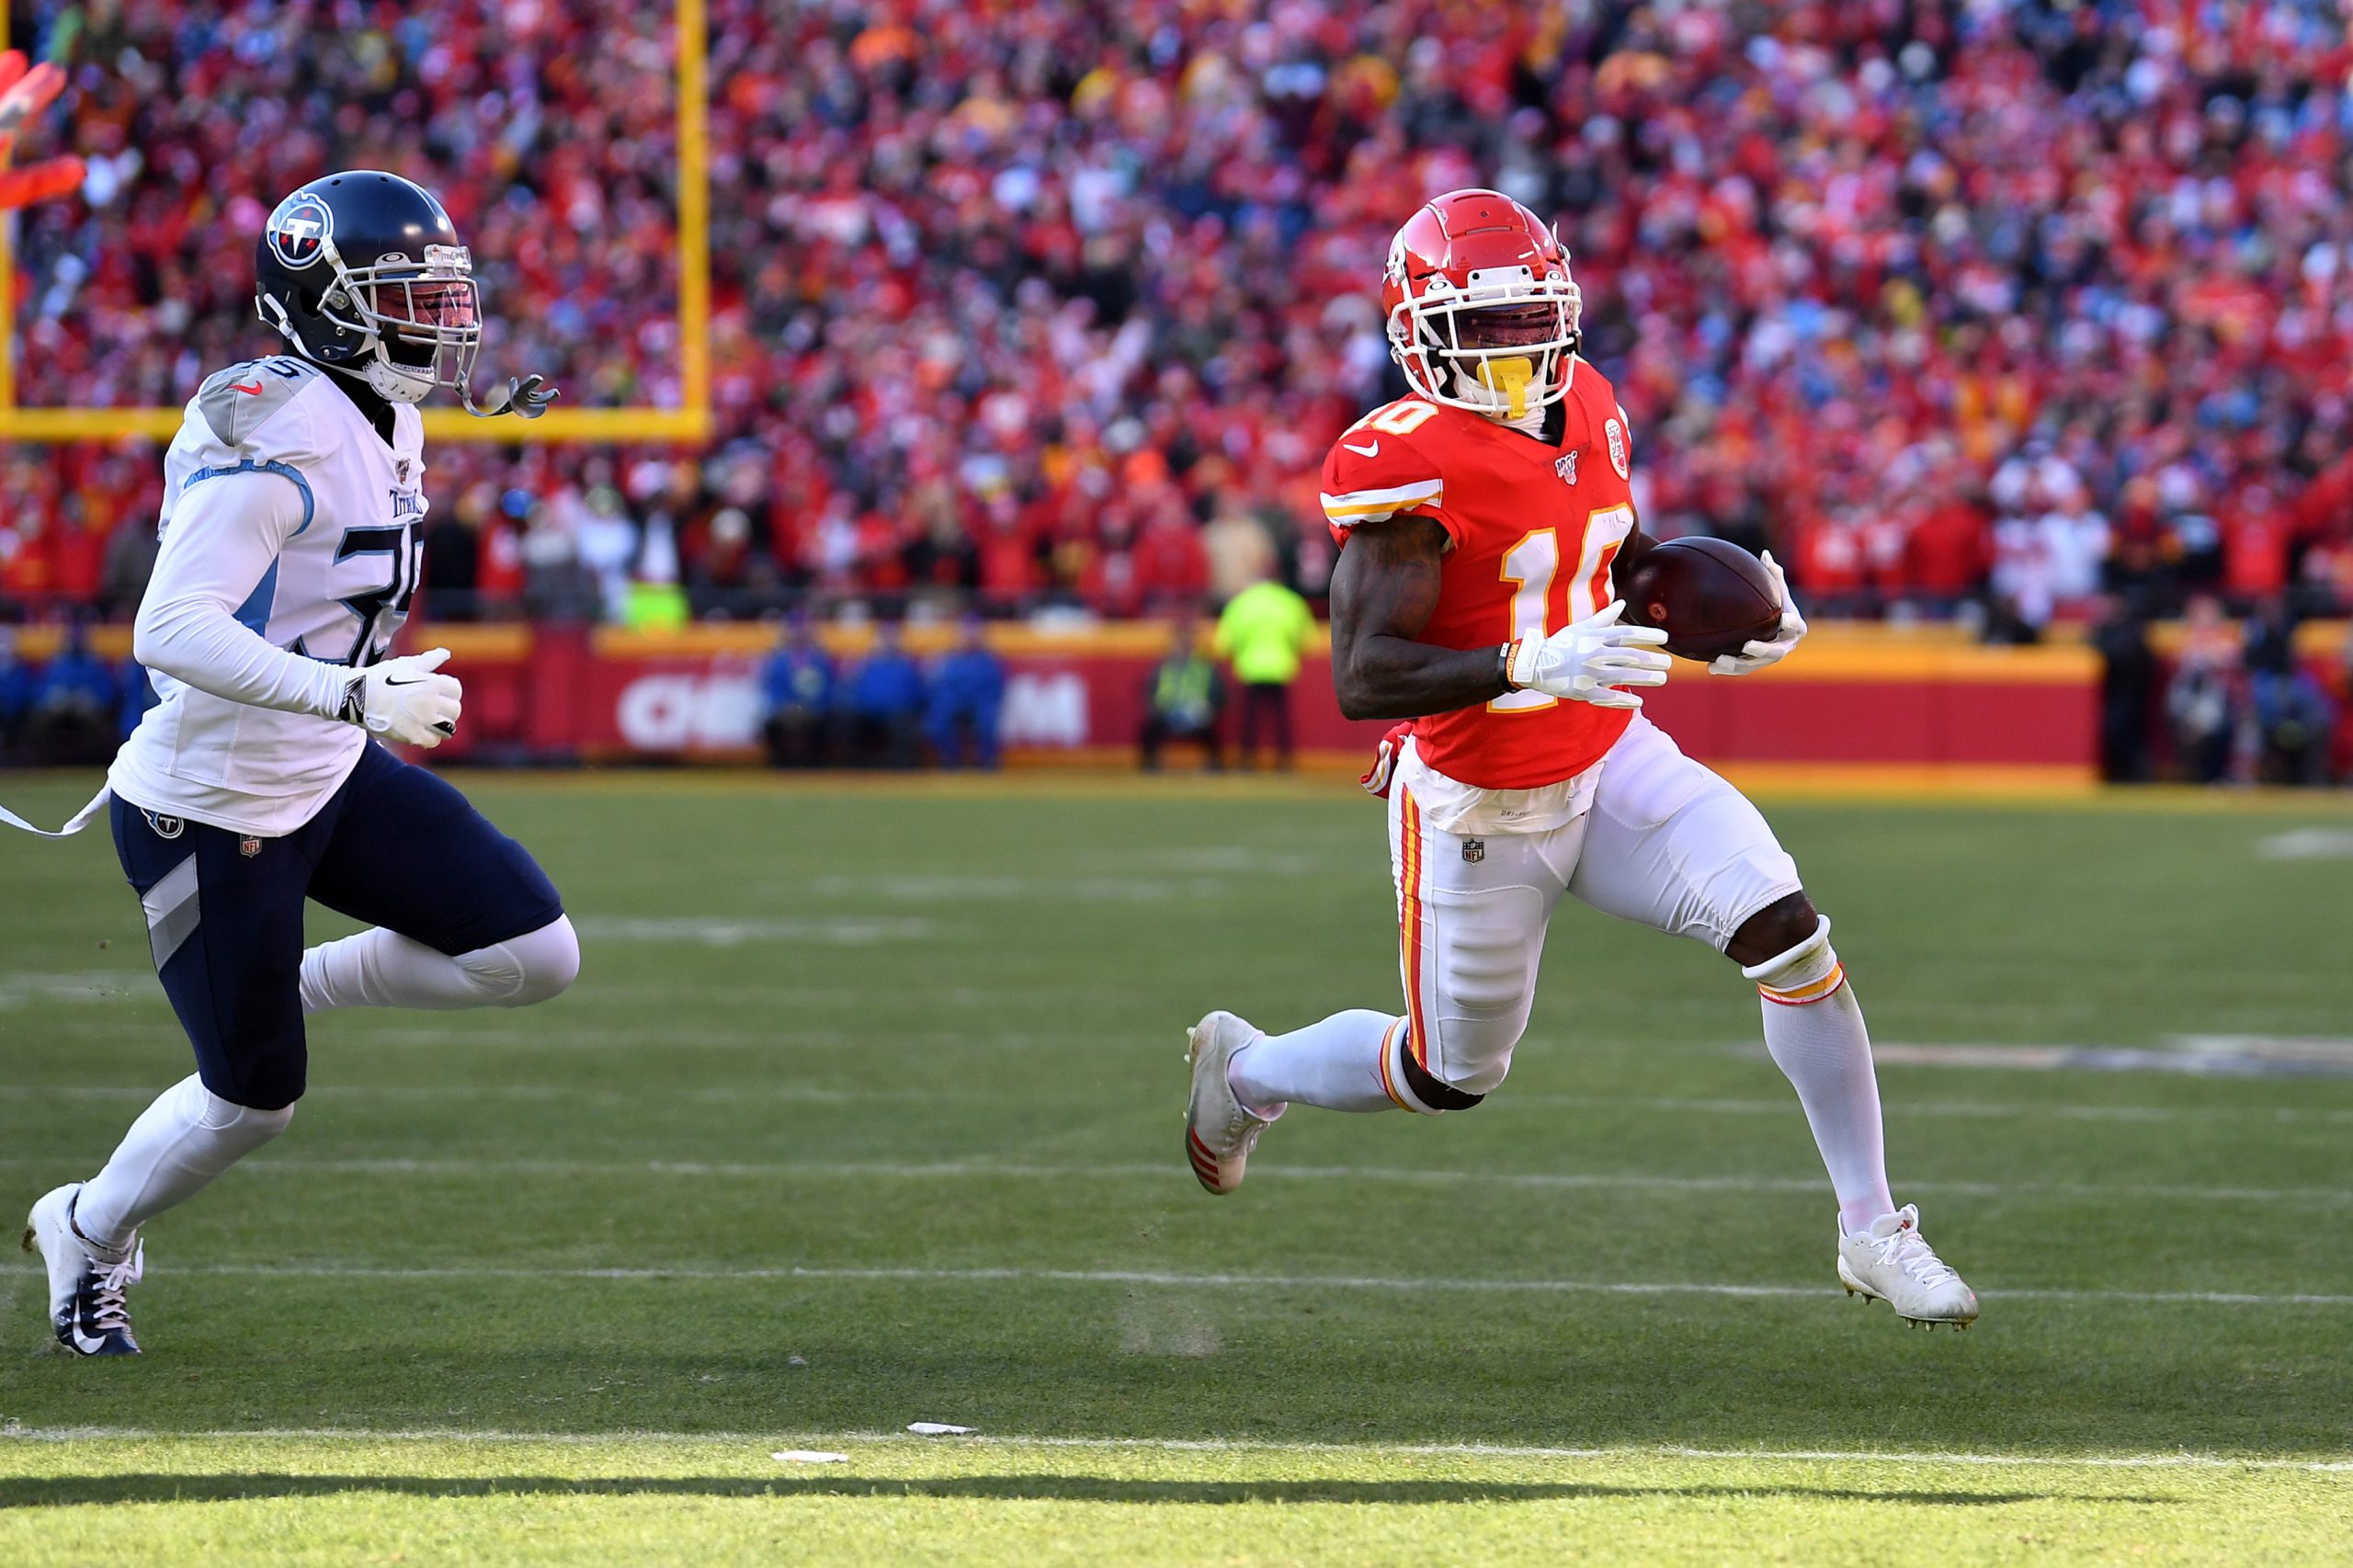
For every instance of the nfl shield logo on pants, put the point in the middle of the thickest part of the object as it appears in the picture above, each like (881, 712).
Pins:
(1475, 850)
(249, 847)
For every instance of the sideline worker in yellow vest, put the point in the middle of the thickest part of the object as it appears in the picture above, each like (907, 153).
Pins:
(1182, 697)
(1262, 632)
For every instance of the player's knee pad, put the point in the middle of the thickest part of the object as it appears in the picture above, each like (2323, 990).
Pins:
(528, 968)
(1486, 977)
(1487, 963)
(1806, 973)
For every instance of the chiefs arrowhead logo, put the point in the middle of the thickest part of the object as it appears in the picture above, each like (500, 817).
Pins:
(300, 230)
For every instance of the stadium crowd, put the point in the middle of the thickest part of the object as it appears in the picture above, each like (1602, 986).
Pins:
(1961, 305)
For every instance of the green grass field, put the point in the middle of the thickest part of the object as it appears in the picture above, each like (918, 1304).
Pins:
(867, 1110)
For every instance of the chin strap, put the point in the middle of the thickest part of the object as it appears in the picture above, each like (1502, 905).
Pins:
(526, 397)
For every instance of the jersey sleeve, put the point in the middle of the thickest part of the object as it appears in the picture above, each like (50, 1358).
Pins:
(208, 603)
(1369, 478)
(257, 410)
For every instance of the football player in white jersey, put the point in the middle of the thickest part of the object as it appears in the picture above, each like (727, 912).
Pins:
(291, 545)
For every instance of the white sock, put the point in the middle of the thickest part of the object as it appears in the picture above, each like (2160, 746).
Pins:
(383, 968)
(1335, 1064)
(1814, 1027)
(179, 1144)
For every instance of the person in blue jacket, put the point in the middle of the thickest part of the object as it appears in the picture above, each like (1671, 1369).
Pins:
(137, 695)
(885, 703)
(72, 718)
(797, 699)
(16, 688)
(967, 693)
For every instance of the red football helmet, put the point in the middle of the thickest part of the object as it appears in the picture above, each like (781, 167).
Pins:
(1482, 311)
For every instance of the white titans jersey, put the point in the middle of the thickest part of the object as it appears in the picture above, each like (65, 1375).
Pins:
(290, 528)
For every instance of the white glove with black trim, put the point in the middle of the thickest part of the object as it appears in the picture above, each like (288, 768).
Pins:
(1587, 662)
(1755, 656)
(527, 397)
(403, 699)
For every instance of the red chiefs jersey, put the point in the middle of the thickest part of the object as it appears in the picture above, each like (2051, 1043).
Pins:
(1531, 527)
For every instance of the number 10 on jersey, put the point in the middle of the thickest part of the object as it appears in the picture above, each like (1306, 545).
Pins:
(1533, 568)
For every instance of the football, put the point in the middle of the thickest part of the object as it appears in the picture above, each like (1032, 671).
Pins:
(1710, 595)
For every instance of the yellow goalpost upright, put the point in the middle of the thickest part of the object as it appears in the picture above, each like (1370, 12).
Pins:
(689, 423)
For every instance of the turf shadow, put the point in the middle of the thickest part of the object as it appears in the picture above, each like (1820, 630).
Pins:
(67, 1491)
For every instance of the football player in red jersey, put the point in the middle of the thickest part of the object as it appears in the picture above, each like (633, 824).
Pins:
(1480, 519)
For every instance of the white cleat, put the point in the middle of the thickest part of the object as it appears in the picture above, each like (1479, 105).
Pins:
(1893, 1262)
(1218, 1134)
(85, 1289)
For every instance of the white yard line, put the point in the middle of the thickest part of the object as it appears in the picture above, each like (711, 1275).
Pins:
(1178, 1445)
(1436, 1284)
(955, 1170)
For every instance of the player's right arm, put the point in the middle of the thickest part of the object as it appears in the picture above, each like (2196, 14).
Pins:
(212, 580)
(1384, 591)
(1384, 496)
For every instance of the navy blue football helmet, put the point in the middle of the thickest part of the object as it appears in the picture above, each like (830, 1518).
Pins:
(363, 272)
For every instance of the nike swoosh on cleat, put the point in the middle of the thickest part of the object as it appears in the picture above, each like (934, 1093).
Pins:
(1372, 451)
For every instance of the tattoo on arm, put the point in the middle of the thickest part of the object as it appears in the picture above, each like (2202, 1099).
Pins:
(1382, 593)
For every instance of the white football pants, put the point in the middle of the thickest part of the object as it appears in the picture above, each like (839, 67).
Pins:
(1667, 843)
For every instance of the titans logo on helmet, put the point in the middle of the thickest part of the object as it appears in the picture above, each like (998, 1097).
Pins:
(299, 229)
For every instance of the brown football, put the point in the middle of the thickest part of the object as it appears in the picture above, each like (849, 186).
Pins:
(1710, 597)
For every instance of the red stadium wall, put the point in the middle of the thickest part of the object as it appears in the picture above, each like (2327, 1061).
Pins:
(1856, 698)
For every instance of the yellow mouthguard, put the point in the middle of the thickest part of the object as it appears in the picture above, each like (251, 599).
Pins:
(1509, 377)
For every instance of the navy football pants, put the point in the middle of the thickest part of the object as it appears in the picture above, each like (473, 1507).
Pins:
(395, 846)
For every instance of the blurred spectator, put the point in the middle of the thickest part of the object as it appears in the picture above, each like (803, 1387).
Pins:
(965, 697)
(2074, 542)
(138, 695)
(2128, 690)
(2202, 702)
(1182, 698)
(1261, 633)
(883, 703)
(2293, 715)
(797, 699)
(129, 561)
(74, 706)
(16, 688)
(1239, 548)
(656, 607)
(1947, 549)
(452, 566)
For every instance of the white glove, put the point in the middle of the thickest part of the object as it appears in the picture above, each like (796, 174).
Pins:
(1757, 655)
(403, 701)
(1588, 662)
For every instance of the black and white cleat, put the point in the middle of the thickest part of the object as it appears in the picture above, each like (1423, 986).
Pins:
(87, 1291)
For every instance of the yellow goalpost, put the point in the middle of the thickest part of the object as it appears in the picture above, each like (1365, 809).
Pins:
(689, 423)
